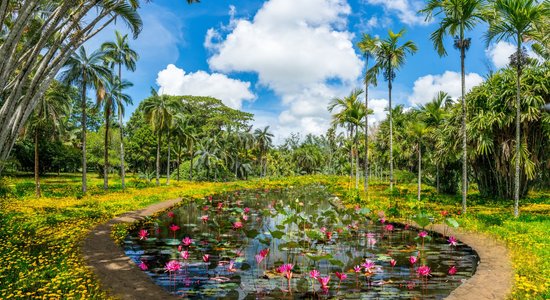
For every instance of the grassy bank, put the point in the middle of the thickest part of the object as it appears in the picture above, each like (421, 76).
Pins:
(40, 238)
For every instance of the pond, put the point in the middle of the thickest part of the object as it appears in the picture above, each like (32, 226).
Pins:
(294, 243)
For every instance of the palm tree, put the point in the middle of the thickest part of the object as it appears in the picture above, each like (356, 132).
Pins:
(517, 20)
(433, 115)
(417, 130)
(120, 53)
(111, 97)
(184, 135)
(458, 16)
(158, 111)
(85, 71)
(389, 58)
(367, 45)
(48, 114)
(263, 141)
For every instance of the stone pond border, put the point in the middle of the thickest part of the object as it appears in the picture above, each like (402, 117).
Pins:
(122, 279)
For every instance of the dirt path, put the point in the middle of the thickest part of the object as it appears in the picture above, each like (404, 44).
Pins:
(121, 277)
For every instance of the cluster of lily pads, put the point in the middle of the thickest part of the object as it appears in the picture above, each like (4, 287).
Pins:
(293, 241)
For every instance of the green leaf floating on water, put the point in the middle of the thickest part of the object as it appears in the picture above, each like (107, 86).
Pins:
(422, 219)
(252, 233)
(336, 262)
(277, 234)
(318, 257)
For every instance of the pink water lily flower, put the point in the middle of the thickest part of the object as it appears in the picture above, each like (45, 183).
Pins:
(143, 234)
(369, 266)
(341, 276)
(187, 241)
(452, 270)
(314, 274)
(323, 229)
(245, 217)
(185, 254)
(382, 220)
(393, 262)
(413, 260)
(452, 241)
(231, 266)
(328, 234)
(143, 266)
(357, 269)
(423, 234)
(259, 258)
(286, 270)
(206, 258)
(172, 266)
(389, 227)
(264, 252)
(371, 241)
(174, 228)
(324, 282)
(237, 225)
(424, 271)
(246, 210)
(204, 218)
(171, 214)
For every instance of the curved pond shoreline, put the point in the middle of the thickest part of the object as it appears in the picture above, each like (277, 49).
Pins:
(122, 278)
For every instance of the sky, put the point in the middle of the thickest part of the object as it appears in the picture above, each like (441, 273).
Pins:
(284, 60)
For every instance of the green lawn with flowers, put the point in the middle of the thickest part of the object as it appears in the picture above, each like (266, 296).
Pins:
(40, 238)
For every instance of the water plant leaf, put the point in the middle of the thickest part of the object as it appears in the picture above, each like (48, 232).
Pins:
(252, 233)
(336, 262)
(422, 219)
(317, 258)
(451, 222)
(277, 234)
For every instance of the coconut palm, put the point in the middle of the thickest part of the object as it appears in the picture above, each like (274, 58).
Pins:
(417, 129)
(48, 115)
(390, 56)
(85, 71)
(367, 45)
(458, 16)
(263, 141)
(110, 95)
(158, 111)
(516, 20)
(119, 53)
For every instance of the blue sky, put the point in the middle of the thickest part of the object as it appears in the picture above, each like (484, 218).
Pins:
(283, 60)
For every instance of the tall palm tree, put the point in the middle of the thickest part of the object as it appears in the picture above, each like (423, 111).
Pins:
(417, 130)
(86, 72)
(517, 20)
(158, 111)
(120, 53)
(48, 115)
(433, 115)
(184, 133)
(390, 56)
(111, 97)
(458, 16)
(367, 45)
(263, 141)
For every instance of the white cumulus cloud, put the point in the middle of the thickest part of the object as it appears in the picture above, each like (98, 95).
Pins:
(295, 47)
(404, 10)
(232, 92)
(426, 87)
(499, 53)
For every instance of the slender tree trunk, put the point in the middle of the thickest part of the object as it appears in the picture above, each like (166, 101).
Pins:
(391, 131)
(350, 155)
(121, 125)
(366, 183)
(419, 170)
(83, 106)
(36, 167)
(191, 165)
(179, 161)
(464, 141)
(437, 177)
(168, 164)
(518, 131)
(106, 149)
(158, 160)
(355, 139)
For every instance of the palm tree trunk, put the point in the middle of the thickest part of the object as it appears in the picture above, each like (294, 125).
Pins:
(168, 163)
(391, 132)
(437, 177)
(83, 106)
(179, 161)
(158, 160)
(106, 147)
(36, 167)
(464, 141)
(122, 170)
(356, 157)
(419, 170)
(366, 183)
(518, 131)
(191, 165)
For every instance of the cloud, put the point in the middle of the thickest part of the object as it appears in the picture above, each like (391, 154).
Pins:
(426, 87)
(499, 53)
(379, 107)
(296, 48)
(405, 10)
(232, 92)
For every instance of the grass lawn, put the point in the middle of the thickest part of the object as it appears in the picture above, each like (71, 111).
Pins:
(40, 238)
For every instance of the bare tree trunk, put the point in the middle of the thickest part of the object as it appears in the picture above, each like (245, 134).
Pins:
(168, 163)
(463, 129)
(191, 165)
(366, 183)
(391, 132)
(121, 125)
(437, 177)
(355, 141)
(518, 132)
(179, 161)
(84, 167)
(419, 170)
(158, 160)
(106, 149)
(36, 167)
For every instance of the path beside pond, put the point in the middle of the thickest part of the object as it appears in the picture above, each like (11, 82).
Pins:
(122, 278)
(116, 272)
